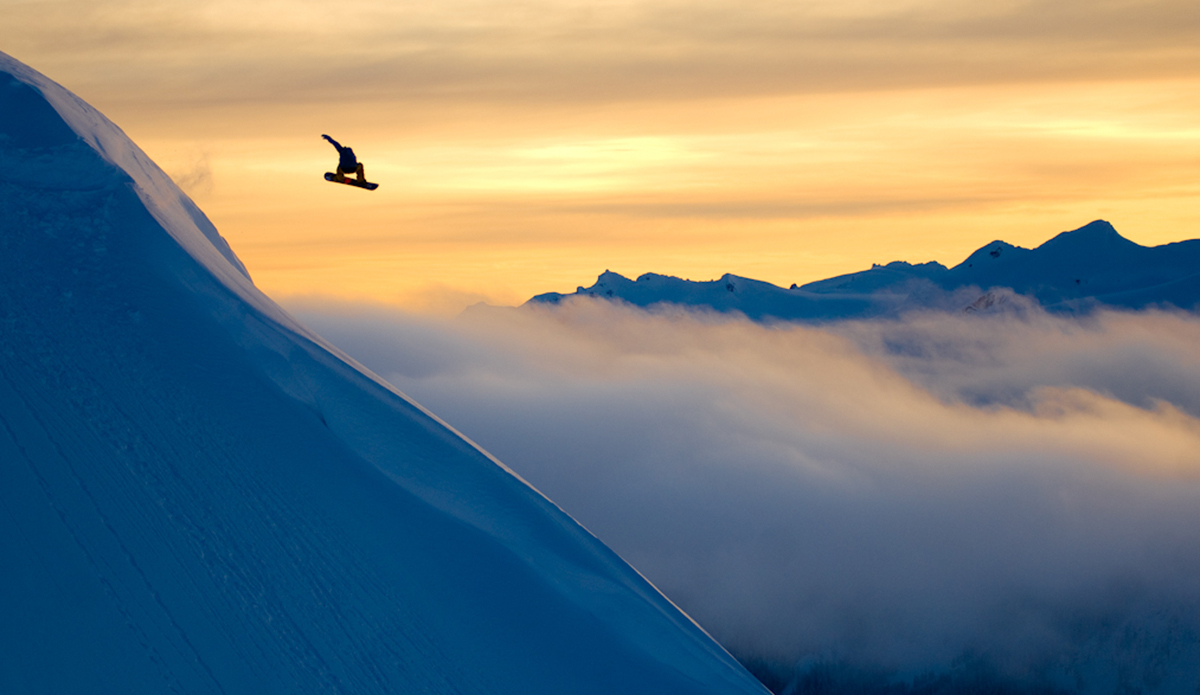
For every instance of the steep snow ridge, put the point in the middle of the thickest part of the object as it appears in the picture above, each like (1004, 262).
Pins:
(173, 210)
(199, 495)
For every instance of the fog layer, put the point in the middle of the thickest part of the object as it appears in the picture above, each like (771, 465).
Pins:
(899, 496)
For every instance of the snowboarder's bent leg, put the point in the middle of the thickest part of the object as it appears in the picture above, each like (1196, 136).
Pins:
(340, 176)
(362, 176)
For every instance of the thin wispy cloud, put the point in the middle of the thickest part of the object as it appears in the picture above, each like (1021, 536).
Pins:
(574, 51)
(778, 140)
(898, 496)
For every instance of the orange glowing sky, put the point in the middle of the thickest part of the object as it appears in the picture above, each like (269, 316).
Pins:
(524, 147)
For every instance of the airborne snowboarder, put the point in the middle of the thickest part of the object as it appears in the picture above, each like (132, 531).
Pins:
(348, 164)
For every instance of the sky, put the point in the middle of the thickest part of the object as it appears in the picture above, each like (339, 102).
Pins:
(891, 494)
(525, 147)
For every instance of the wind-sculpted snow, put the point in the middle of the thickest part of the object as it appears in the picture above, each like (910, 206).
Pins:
(62, 130)
(945, 503)
(198, 495)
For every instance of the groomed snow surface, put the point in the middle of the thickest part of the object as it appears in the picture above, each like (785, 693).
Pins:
(199, 495)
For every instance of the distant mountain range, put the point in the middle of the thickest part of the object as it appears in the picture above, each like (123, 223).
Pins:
(1075, 271)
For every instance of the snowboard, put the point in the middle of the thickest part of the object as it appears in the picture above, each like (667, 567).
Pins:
(351, 181)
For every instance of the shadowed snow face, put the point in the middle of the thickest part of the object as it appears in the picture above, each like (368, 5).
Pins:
(894, 494)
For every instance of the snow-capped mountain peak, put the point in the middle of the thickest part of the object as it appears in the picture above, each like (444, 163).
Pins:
(200, 496)
(1074, 271)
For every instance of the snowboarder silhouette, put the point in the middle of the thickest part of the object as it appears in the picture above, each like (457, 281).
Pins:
(347, 163)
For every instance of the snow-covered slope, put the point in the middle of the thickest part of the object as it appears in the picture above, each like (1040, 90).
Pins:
(1090, 266)
(198, 495)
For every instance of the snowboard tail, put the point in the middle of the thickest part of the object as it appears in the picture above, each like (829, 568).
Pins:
(351, 181)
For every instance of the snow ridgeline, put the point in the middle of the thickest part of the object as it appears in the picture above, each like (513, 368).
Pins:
(200, 495)
(1075, 272)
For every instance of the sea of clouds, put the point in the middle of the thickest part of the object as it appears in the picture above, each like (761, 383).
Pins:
(862, 504)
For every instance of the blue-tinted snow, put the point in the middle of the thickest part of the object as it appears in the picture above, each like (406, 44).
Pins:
(1075, 271)
(198, 495)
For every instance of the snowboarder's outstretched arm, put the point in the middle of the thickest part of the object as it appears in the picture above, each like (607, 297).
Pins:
(333, 142)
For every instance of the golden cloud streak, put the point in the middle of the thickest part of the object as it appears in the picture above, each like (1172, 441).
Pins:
(526, 147)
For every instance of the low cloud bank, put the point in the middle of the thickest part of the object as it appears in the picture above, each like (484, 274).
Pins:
(1016, 495)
